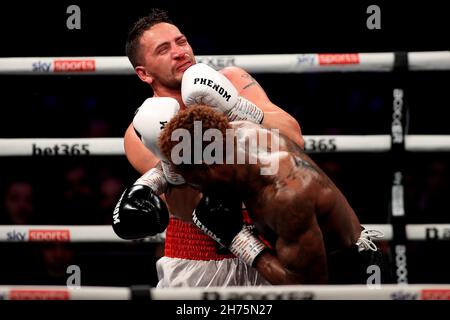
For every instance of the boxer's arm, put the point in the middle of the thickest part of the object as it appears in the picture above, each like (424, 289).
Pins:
(140, 157)
(298, 260)
(300, 253)
(178, 198)
(274, 116)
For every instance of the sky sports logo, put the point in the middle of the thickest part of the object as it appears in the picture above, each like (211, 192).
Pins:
(87, 65)
(435, 294)
(338, 58)
(31, 294)
(39, 235)
(64, 65)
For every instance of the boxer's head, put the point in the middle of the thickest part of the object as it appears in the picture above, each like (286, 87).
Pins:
(158, 51)
(195, 140)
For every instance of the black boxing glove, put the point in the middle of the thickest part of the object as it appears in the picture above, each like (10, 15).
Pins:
(139, 213)
(222, 220)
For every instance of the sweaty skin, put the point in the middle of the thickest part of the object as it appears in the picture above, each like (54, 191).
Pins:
(168, 54)
(298, 209)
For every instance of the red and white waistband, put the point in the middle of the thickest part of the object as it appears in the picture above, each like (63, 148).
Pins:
(186, 241)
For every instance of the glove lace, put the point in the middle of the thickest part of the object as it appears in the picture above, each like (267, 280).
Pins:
(365, 242)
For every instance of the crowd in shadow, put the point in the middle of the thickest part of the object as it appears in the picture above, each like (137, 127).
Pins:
(77, 195)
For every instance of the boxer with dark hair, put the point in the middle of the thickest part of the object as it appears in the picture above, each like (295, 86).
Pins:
(160, 55)
(313, 234)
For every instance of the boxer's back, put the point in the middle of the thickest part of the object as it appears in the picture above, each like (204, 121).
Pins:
(338, 222)
(301, 188)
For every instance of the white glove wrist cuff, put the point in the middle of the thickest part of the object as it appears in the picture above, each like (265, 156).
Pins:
(246, 110)
(154, 178)
(171, 176)
(246, 246)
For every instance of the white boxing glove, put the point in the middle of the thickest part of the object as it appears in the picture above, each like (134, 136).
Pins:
(148, 123)
(202, 84)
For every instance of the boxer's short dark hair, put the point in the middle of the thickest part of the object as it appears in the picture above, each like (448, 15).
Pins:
(143, 24)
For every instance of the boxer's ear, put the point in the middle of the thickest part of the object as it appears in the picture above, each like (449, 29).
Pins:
(143, 74)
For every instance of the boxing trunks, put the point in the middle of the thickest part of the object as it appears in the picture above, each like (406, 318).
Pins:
(193, 259)
(350, 266)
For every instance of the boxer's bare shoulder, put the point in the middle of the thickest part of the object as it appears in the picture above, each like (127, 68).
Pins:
(240, 78)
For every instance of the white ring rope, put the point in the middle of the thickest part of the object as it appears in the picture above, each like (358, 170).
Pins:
(290, 292)
(104, 233)
(308, 292)
(114, 146)
(263, 63)
(94, 233)
(58, 146)
(63, 293)
(427, 143)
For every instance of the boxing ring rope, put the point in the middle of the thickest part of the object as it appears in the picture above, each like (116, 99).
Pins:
(66, 233)
(287, 292)
(263, 63)
(100, 233)
(64, 293)
(313, 144)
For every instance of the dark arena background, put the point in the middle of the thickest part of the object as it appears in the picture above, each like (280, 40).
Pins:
(70, 185)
